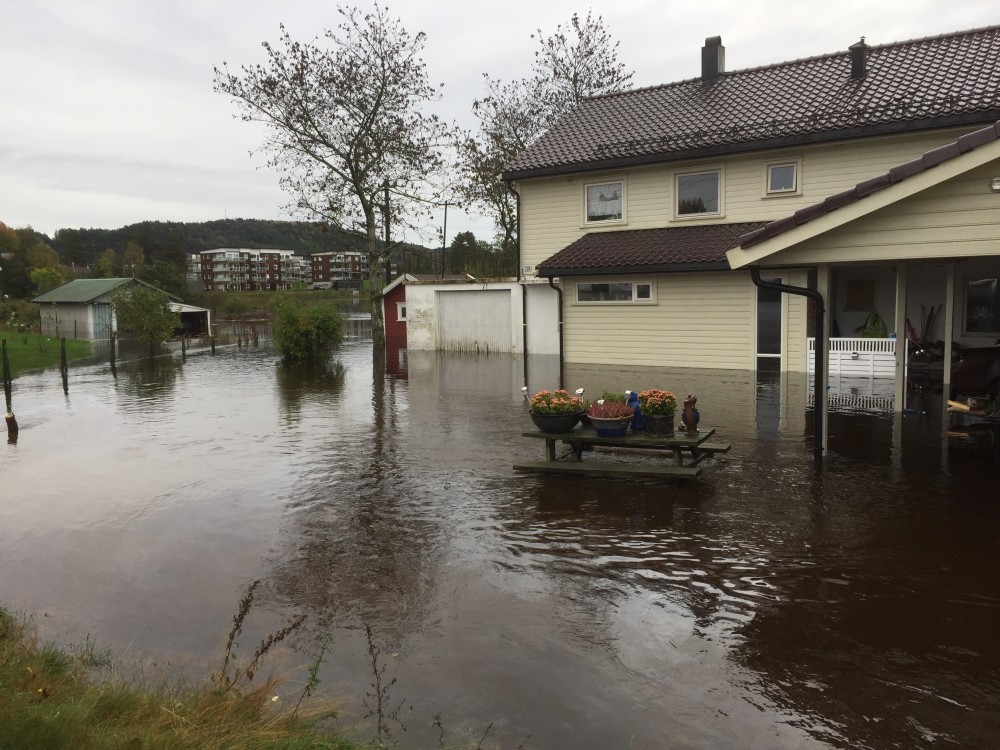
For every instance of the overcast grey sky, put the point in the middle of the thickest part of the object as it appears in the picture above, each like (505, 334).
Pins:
(109, 117)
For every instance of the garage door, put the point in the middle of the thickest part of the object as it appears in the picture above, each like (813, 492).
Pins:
(474, 320)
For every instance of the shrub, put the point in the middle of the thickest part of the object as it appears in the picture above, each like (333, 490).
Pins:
(306, 335)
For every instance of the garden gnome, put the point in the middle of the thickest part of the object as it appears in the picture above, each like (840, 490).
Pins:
(690, 415)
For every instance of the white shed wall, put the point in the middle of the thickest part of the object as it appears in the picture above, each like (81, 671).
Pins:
(488, 313)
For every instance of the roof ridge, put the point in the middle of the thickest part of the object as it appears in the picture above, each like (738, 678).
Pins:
(795, 61)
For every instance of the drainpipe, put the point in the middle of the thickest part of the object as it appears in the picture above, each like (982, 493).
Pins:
(524, 287)
(559, 292)
(821, 348)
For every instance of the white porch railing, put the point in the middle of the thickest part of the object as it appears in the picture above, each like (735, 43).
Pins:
(857, 357)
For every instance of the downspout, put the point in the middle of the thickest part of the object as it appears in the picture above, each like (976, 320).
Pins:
(821, 347)
(560, 305)
(520, 282)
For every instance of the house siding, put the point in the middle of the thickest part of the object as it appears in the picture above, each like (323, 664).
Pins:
(957, 218)
(552, 208)
(679, 330)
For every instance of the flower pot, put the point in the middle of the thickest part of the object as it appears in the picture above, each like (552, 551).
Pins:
(659, 424)
(610, 426)
(553, 424)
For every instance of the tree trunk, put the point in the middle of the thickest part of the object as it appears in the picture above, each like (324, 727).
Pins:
(376, 283)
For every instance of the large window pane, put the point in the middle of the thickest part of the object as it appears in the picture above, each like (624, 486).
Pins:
(698, 193)
(768, 321)
(604, 202)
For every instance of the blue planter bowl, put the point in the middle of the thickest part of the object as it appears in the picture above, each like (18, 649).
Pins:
(611, 427)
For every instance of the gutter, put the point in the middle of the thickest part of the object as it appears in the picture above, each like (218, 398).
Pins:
(819, 383)
(520, 283)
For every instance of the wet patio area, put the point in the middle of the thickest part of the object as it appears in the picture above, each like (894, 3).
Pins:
(767, 604)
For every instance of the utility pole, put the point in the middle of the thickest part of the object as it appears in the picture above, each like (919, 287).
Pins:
(444, 239)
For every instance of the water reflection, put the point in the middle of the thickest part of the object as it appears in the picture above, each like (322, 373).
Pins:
(149, 384)
(768, 604)
(320, 384)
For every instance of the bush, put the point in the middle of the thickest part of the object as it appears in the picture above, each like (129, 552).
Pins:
(308, 335)
(19, 315)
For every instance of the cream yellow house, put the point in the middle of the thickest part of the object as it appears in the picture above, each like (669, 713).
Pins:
(865, 175)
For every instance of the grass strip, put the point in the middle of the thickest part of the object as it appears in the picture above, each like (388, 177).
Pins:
(49, 700)
(30, 351)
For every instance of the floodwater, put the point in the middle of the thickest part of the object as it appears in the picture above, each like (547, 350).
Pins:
(767, 604)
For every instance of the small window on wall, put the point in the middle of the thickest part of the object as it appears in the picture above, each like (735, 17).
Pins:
(782, 178)
(605, 202)
(699, 193)
(615, 291)
(401, 311)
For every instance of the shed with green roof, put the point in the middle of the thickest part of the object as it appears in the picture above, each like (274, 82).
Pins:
(81, 308)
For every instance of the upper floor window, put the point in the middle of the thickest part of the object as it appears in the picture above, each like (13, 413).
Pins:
(699, 193)
(782, 178)
(615, 291)
(401, 311)
(605, 202)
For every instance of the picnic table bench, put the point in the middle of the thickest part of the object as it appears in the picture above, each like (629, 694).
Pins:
(687, 452)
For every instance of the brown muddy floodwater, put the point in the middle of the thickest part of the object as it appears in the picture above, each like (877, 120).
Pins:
(765, 605)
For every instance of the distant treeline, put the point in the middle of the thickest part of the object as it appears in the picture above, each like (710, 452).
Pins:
(172, 241)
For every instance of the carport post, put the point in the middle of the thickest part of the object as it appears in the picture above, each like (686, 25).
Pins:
(822, 346)
(949, 326)
(900, 393)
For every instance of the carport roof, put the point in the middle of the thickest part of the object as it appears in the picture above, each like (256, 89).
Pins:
(969, 151)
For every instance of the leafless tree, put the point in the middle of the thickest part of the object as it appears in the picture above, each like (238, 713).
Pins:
(345, 116)
(578, 60)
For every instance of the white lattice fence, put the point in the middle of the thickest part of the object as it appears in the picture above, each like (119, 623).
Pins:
(858, 357)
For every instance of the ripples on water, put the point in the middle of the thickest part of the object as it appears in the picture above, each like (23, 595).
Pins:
(764, 605)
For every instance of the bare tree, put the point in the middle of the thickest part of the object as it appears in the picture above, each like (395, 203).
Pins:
(578, 60)
(509, 120)
(345, 121)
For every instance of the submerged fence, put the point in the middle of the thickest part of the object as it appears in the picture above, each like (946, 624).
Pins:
(858, 357)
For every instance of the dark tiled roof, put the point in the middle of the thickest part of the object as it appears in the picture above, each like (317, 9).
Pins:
(691, 248)
(895, 175)
(950, 79)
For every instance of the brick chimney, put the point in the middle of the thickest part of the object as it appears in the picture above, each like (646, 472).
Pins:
(713, 58)
(859, 60)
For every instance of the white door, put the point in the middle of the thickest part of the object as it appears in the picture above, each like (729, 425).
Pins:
(474, 320)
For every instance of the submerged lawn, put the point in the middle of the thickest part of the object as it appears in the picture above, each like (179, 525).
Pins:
(30, 351)
(48, 701)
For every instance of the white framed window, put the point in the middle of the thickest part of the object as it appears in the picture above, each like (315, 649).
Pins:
(783, 178)
(617, 292)
(401, 311)
(698, 194)
(604, 202)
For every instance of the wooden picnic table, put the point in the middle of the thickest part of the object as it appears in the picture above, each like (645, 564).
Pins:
(687, 451)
